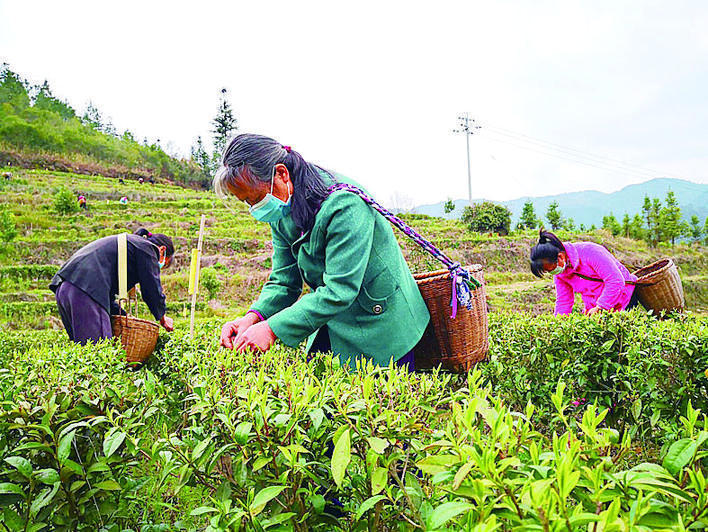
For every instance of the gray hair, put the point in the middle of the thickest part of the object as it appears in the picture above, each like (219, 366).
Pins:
(251, 158)
(248, 158)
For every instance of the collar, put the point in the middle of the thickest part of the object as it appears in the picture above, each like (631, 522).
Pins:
(572, 253)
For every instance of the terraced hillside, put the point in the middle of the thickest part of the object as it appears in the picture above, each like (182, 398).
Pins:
(236, 257)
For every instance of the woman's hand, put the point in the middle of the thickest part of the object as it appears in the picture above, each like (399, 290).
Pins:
(258, 337)
(231, 332)
(167, 323)
(593, 311)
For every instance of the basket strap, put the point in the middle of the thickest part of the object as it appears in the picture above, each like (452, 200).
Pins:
(462, 282)
(122, 266)
(635, 283)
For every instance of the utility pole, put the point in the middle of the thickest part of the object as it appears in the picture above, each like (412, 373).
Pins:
(468, 126)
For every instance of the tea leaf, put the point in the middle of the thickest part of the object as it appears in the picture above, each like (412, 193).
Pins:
(341, 457)
(264, 497)
(443, 513)
(367, 505)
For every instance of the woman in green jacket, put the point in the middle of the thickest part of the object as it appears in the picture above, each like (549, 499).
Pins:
(363, 303)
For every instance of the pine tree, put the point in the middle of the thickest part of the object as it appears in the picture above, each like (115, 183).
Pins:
(652, 211)
(13, 89)
(626, 225)
(554, 216)
(47, 101)
(449, 206)
(528, 218)
(611, 224)
(224, 124)
(670, 218)
(201, 157)
(636, 228)
(695, 230)
(92, 117)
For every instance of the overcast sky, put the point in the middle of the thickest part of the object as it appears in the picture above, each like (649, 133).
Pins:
(373, 89)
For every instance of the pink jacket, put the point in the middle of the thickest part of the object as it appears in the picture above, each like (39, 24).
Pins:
(592, 260)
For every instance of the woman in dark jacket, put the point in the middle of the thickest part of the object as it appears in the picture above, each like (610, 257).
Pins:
(87, 284)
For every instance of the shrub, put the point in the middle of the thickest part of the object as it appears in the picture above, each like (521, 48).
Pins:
(487, 217)
(644, 371)
(8, 229)
(277, 441)
(210, 282)
(65, 202)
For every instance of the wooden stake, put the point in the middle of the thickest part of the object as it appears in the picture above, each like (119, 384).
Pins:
(196, 275)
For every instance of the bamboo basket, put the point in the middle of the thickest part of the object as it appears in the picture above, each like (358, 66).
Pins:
(453, 344)
(137, 336)
(659, 287)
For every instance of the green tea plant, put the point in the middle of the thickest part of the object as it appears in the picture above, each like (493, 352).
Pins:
(210, 282)
(65, 202)
(230, 441)
(643, 370)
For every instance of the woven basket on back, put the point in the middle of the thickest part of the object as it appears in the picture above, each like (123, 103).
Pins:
(659, 287)
(454, 344)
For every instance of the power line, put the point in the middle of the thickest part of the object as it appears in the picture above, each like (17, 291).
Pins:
(576, 154)
(603, 166)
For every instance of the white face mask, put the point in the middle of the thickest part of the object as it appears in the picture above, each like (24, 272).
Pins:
(270, 209)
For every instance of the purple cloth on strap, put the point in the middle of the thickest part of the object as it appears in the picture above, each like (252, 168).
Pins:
(83, 318)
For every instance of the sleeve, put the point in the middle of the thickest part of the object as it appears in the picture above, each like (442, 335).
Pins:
(349, 237)
(565, 298)
(284, 284)
(148, 271)
(602, 261)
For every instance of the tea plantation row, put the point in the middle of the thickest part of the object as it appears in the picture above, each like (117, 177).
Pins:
(201, 438)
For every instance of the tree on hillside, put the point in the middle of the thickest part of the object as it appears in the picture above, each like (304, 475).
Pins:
(670, 219)
(224, 124)
(695, 229)
(569, 224)
(626, 225)
(554, 216)
(611, 224)
(92, 118)
(652, 211)
(636, 228)
(47, 101)
(528, 219)
(13, 89)
(449, 206)
(487, 217)
(201, 158)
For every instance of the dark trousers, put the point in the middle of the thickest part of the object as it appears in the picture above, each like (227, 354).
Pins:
(83, 318)
(323, 345)
(634, 301)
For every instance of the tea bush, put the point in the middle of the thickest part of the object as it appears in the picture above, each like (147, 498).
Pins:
(201, 438)
(65, 202)
(643, 370)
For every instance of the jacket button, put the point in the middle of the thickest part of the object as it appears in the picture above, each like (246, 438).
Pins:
(378, 309)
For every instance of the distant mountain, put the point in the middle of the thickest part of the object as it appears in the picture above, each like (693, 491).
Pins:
(589, 206)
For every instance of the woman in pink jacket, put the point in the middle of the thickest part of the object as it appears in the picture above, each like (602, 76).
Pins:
(584, 268)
